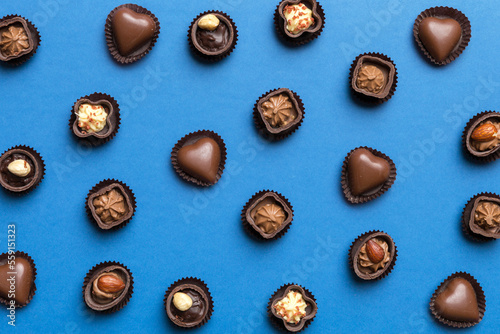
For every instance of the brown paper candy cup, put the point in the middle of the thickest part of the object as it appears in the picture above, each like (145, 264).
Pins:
(33, 36)
(468, 213)
(129, 198)
(112, 121)
(279, 323)
(354, 253)
(250, 225)
(190, 139)
(363, 96)
(275, 133)
(361, 198)
(478, 156)
(216, 55)
(481, 300)
(18, 254)
(119, 302)
(307, 35)
(192, 283)
(37, 162)
(110, 41)
(444, 12)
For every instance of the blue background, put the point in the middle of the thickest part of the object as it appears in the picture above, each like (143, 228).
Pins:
(180, 230)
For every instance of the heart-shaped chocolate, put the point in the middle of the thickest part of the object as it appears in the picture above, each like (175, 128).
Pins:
(366, 172)
(201, 159)
(440, 36)
(132, 30)
(19, 275)
(458, 301)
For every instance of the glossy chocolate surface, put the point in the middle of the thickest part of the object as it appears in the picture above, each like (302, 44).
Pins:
(386, 67)
(132, 31)
(201, 308)
(363, 272)
(196, 312)
(457, 301)
(219, 42)
(440, 36)
(98, 304)
(14, 180)
(491, 116)
(200, 159)
(23, 275)
(367, 173)
(213, 41)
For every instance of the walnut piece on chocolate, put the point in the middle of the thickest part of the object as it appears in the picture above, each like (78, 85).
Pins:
(110, 206)
(278, 111)
(14, 41)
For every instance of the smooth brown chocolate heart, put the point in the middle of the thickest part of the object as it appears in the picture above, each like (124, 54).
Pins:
(201, 159)
(22, 275)
(439, 36)
(132, 30)
(458, 301)
(366, 172)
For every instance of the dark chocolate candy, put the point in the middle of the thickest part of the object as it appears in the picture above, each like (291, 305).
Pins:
(21, 275)
(132, 30)
(440, 36)
(21, 169)
(216, 40)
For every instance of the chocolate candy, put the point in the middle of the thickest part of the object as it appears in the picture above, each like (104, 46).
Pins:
(108, 287)
(95, 118)
(21, 169)
(366, 174)
(481, 217)
(459, 301)
(442, 33)
(267, 215)
(292, 308)
(278, 113)
(213, 35)
(17, 278)
(19, 39)
(199, 157)
(373, 255)
(110, 204)
(373, 77)
(299, 21)
(131, 32)
(188, 303)
(481, 136)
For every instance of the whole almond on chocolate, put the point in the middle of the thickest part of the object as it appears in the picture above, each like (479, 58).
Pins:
(484, 132)
(374, 251)
(110, 284)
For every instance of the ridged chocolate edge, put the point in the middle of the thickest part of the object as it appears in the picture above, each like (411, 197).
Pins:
(39, 159)
(496, 151)
(37, 39)
(466, 215)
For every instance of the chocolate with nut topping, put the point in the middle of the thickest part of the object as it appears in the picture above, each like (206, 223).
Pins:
(481, 136)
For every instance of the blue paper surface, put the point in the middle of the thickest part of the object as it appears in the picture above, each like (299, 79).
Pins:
(180, 230)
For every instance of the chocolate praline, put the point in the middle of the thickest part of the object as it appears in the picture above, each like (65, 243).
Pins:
(21, 169)
(485, 149)
(112, 119)
(110, 204)
(366, 174)
(199, 157)
(364, 251)
(305, 35)
(267, 215)
(442, 34)
(373, 77)
(458, 301)
(311, 308)
(278, 113)
(216, 44)
(131, 32)
(481, 217)
(21, 266)
(201, 308)
(110, 302)
(19, 39)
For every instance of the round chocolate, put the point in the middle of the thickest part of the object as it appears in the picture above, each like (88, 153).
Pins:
(131, 32)
(213, 44)
(115, 303)
(33, 162)
(19, 39)
(306, 35)
(442, 33)
(202, 305)
(200, 157)
(385, 263)
(471, 146)
(267, 227)
(311, 309)
(111, 127)
(481, 217)
(458, 301)
(22, 266)
(278, 113)
(110, 204)
(384, 73)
